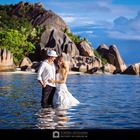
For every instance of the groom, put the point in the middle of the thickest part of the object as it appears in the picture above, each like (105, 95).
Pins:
(47, 71)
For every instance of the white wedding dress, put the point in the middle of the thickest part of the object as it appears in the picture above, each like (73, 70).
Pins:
(63, 98)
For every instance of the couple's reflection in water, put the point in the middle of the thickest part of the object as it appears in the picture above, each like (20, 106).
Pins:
(52, 118)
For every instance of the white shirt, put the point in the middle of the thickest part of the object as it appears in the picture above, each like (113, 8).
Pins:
(46, 72)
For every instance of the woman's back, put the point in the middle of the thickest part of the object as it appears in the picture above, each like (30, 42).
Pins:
(59, 77)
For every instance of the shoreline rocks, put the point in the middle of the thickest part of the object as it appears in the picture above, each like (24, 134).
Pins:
(133, 69)
(6, 61)
(113, 57)
(80, 56)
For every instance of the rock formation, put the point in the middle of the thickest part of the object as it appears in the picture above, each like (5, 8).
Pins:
(116, 59)
(6, 60)
(54, 38)
(133, 69)
(25, 64)
(85, 49)
(37, 15)
(80, 55)
(57, 40)
(103, 50)
(109, 68)
(112, 56)
(85, 64)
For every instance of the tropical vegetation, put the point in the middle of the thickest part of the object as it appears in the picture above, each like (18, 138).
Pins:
(17, 34)
(75, 38)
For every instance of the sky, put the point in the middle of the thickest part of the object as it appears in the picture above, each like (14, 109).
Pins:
(101, 21)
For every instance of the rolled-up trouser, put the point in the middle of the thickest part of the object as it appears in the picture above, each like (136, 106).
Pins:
(47, 96)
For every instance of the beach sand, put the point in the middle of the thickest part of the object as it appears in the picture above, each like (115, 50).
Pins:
(30, 72)
(17, 72)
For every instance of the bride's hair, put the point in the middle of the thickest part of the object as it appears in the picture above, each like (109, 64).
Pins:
(63, 67)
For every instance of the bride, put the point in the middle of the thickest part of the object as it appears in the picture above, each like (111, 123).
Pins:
(62, 97)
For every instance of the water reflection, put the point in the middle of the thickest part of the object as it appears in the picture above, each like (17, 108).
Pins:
(50, 118)
(101, 106)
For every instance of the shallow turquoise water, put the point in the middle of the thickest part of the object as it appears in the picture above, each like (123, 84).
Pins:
(106, 102)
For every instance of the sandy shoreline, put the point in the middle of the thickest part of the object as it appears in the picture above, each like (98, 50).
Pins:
(30, 72)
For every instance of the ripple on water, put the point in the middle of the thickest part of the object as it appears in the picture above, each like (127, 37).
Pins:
(106, 102)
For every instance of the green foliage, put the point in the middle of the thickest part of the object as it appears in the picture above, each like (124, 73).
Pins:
(8, 22)
(75, 38)
(5, 7)
(17, 43)
(17, 34)
(103, 60)
(35, 34)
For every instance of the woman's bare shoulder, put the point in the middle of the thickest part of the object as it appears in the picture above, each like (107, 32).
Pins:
(66, 65)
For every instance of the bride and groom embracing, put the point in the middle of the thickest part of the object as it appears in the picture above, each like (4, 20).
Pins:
(52, 78)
